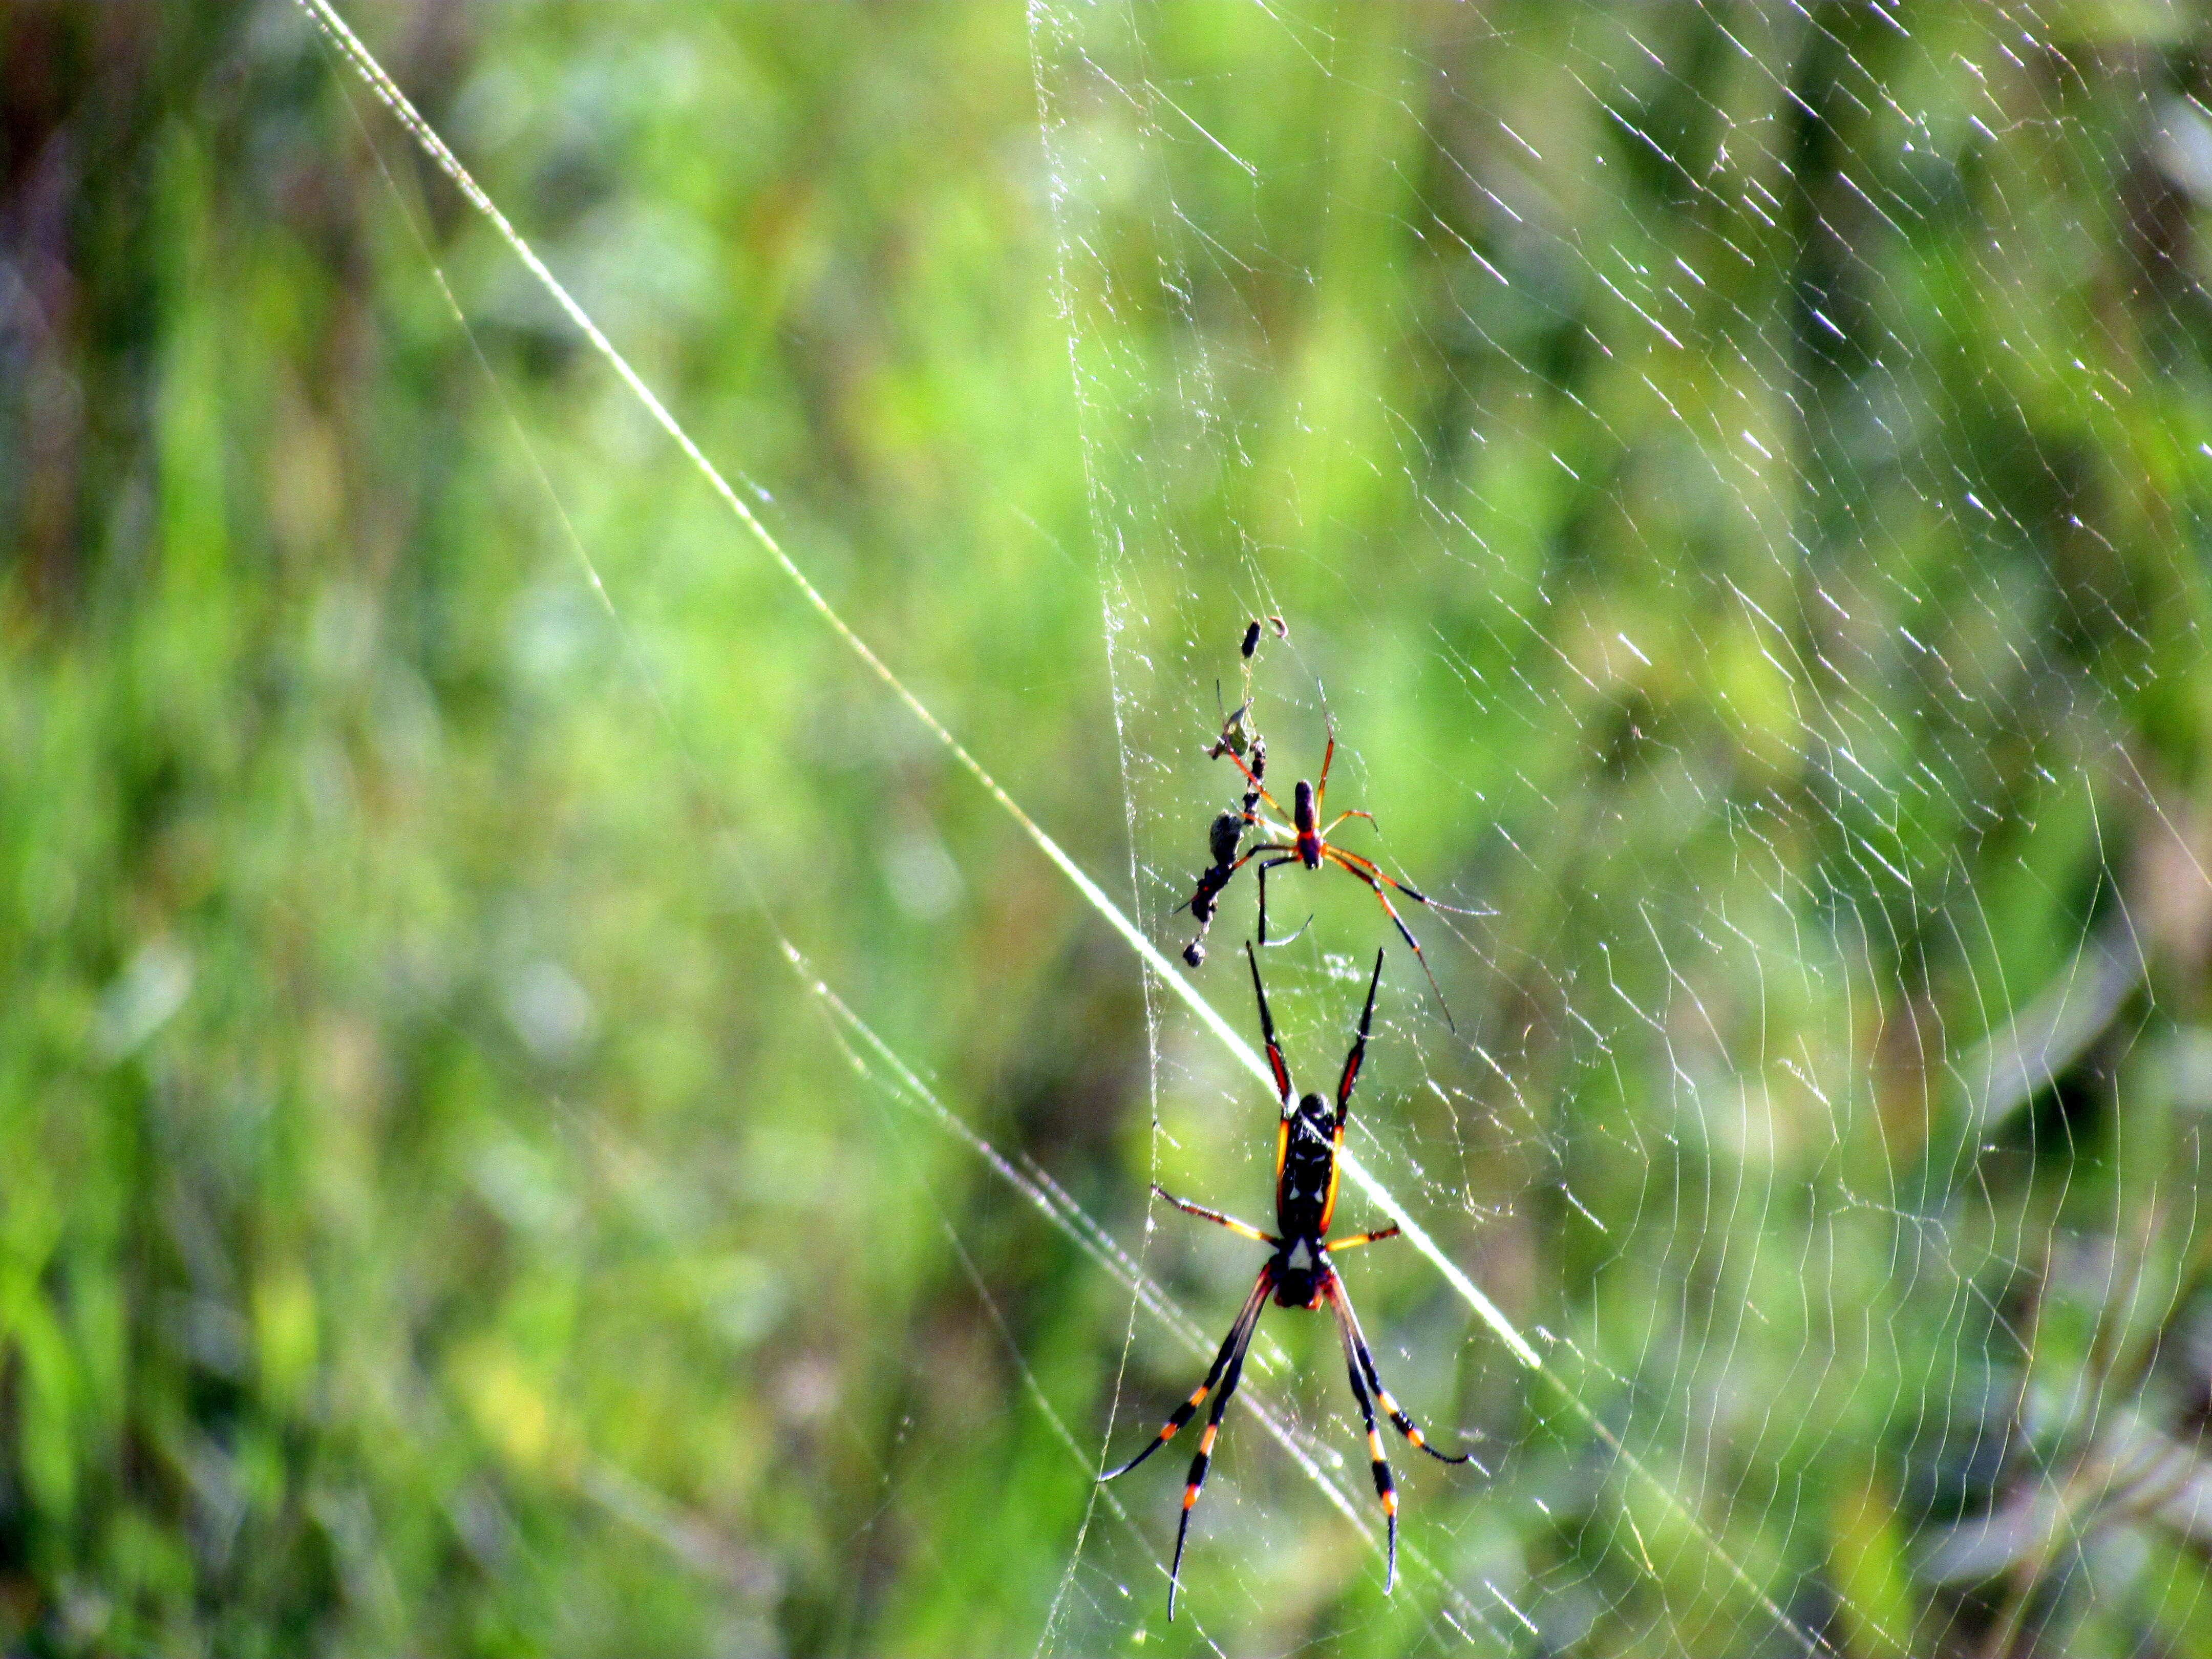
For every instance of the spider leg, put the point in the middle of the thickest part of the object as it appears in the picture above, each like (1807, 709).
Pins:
(1267, 1031)
(1290, 857)
(1356, 1341)
(1231, 1348)
(1368, 866)
(1376, 879)
(1216, 1217)
(1321, 788)
(1257, 787)
(1385, 1490)
(1340, 817)
(1250, 1322)
(1353, 1060)
(1375, 1237)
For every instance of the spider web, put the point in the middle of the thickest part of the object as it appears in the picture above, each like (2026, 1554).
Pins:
(1742, 563)
(1768, 622)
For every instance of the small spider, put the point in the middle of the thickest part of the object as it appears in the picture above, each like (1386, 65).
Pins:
(1304, 842)
(1300, 1276)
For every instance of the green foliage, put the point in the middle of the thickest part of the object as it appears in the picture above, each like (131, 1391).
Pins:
(1741, 478)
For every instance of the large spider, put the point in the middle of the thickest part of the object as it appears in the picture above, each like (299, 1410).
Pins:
(1304, 842)
(1300, 1275)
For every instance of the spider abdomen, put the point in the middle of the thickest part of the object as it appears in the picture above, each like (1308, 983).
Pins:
(1305, 819)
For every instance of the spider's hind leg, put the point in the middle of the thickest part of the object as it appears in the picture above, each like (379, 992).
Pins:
(1386, 1490)
(1357, 1349)
(1204, 1459)
(1231, 1345)
(1376, 881)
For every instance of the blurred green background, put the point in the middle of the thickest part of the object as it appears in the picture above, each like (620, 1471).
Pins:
(1737, 478)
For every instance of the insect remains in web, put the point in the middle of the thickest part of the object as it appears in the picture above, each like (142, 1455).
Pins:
(1299, 1274)
(1223, 837)
(1304, 842)
(1237, 735)
(1241, 738)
